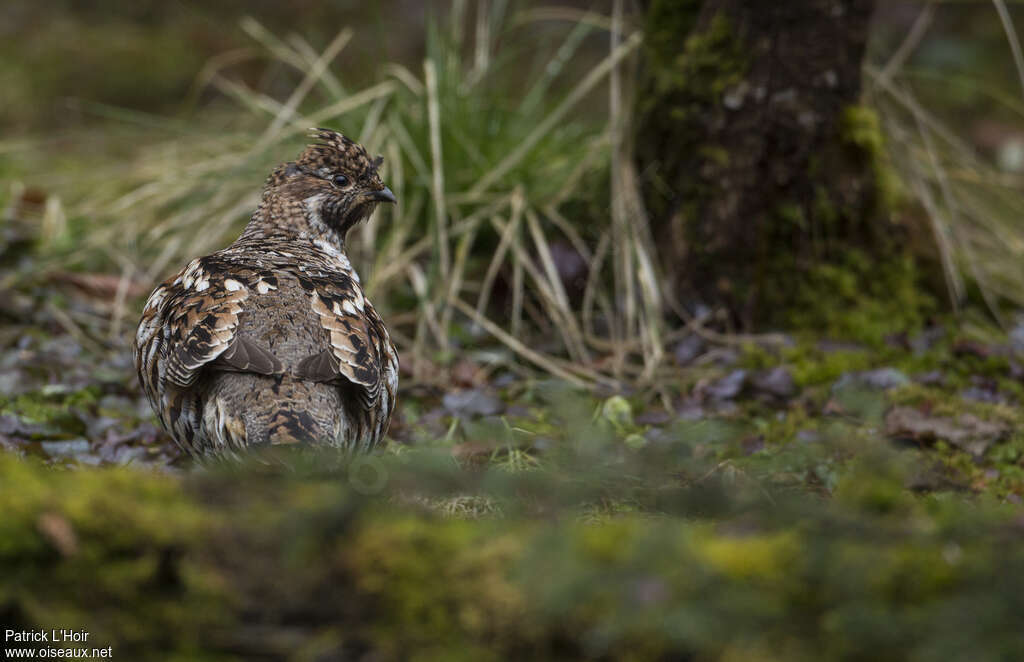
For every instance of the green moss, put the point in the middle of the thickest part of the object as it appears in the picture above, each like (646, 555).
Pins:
(1000, 472)
(822, 253)
(859, 127)
(782, 430)
(791, 216)
(666, 21)
(440, 584)
(54, 409)
(808, 364)
(875, 486)
(861, 299)
(711, 62)
(942, 403)
(55, 415)
(258, 563)
(812, 367)
(685, 88)
(719, 156)
(1009, 454)
(861, 284)
(765, 559)
(825, 211)
(81, 547)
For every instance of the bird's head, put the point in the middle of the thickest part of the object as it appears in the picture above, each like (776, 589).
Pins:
(334, 179)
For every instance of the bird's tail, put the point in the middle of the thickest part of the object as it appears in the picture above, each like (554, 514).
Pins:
(246, 410)
(289, 425)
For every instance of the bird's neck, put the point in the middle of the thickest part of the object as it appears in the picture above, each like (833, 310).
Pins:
(291, 220)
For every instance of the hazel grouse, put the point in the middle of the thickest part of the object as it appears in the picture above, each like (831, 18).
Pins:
(270, 340)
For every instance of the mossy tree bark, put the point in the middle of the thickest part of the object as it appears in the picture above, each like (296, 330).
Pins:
(760, 164)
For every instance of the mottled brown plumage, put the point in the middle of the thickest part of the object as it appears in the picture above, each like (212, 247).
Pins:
(270, 340)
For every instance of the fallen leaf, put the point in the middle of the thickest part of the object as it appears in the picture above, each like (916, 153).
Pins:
(466, 373)
(833, 408)
(473, 453)
(964, 347)
(967, 432)
(57, 530)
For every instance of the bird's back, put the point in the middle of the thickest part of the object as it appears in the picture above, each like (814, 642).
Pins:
(284, 408)
(271, 340)
(299, 355)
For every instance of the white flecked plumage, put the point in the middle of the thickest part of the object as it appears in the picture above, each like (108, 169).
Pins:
(271, 340)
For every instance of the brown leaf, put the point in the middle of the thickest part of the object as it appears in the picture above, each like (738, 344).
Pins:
(32, 196)
(473, 453)
(967, 432)
(964, 347)
(466, 373)
(418, 367)
(833, 408)
(751, 445)
(57, 530)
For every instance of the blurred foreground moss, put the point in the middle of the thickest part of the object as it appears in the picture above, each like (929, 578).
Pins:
(333, 560)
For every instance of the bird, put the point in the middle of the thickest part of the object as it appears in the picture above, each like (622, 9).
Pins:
(271, 340)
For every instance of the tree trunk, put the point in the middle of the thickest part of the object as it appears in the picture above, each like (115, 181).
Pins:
(759, 162)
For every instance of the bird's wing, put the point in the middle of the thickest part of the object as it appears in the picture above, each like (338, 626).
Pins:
(357, 341)
(190, 321)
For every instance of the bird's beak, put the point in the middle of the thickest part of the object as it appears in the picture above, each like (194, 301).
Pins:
(383, 195)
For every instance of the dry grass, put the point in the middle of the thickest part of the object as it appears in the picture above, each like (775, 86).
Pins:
(474, 165)
(483, 170)
(974, 207)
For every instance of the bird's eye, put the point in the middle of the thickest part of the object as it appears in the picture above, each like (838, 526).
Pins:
(340, 180)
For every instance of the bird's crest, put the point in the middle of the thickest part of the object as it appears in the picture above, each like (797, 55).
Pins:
(335, 152)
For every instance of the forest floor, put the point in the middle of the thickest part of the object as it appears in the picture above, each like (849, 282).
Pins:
(948, 394)
(812, 498)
